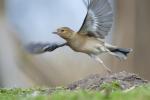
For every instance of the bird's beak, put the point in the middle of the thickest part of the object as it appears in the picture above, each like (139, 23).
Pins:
(55, 32)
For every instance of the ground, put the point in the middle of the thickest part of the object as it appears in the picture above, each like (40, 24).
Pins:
(125, 80)
(119, 86)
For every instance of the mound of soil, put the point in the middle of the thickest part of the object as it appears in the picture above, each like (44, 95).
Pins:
(94, 82)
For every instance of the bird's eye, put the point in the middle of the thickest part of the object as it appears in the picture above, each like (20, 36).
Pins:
(62, 30)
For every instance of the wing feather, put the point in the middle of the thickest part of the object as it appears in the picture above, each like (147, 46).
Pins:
(99, 19)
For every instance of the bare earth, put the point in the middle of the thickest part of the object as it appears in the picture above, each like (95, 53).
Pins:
(94, 82)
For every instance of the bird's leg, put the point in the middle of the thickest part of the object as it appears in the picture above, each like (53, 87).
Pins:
(101, 62)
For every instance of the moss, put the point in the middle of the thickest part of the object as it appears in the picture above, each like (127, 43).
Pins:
(115, 93)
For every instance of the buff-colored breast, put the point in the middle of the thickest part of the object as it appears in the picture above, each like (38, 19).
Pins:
(85, 44)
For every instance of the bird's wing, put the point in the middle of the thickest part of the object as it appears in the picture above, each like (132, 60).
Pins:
(99, 19)
(37, 48)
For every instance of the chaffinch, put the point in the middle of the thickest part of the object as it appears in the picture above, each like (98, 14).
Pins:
(90, 38)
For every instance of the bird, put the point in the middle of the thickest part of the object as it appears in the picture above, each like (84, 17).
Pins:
(90, 39)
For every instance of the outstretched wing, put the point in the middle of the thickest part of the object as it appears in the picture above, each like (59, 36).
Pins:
(37, 48)
(99, 19)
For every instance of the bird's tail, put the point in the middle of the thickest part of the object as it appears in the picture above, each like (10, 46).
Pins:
(120, 53)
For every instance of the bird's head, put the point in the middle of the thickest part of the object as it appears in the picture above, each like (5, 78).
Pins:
(65, 33)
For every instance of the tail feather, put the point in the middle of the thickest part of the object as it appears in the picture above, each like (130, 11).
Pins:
(121, 53)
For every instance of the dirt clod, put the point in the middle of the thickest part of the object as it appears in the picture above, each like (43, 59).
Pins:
(94, 82)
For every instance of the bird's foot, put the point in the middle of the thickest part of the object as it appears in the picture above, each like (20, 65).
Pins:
(109, 72)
